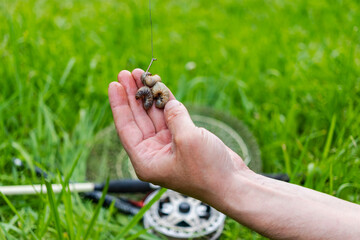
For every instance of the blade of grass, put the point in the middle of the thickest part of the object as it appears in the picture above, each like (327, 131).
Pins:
(11, 206)
(111, 210)
(53, 208)
(16, 212)
(287, 160)
(66, 182)
(331, 177)
(5, 234)
(326, 153)
(42, 219)
(97, 209)
(68, 209)
(139, 233)
(2, 235)
(140, 214)
(67, 71)
(329, 137)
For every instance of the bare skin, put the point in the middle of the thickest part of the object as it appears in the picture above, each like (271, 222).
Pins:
(166, 148)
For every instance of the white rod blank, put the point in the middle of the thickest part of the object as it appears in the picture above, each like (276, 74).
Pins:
(41, 188)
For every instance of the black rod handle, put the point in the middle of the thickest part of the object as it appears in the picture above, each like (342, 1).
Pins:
(120, 204)
(126, 186)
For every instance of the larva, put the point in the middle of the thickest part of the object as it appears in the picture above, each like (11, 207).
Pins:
(161, 94)
(149, 79)
(146, 95)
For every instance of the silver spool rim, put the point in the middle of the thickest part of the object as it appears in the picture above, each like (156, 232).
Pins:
(211, 227)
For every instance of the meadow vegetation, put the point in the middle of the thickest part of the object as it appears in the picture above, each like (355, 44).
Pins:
(289, 69)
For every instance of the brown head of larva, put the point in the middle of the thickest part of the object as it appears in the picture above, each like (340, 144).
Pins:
(149, 79)
(161, 94)
(146, 95)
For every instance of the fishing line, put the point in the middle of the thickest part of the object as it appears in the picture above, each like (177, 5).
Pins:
(152, 45)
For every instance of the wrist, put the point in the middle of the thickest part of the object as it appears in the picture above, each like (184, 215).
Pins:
(232, 190)
(238, 192)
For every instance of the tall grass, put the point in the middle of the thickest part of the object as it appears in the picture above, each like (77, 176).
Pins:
(288, 69)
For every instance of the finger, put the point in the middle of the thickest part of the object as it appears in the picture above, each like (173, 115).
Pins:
(136, 73)
(142, 119)
(177, 118)
(156, 115)
(128, 131)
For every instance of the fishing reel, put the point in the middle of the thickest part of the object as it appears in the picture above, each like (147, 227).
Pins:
(178, 216)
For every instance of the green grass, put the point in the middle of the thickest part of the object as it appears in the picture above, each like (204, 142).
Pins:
(289, 69)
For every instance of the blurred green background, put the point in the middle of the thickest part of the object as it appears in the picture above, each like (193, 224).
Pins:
(289, 69)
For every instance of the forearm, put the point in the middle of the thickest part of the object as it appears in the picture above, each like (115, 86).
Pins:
(286, 211)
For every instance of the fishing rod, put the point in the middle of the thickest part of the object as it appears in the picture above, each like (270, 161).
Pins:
(175, 215)
(115, 186)
(89, 190)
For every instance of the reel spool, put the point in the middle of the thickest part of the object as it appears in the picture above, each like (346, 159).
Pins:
(108, 158)
(180, 217)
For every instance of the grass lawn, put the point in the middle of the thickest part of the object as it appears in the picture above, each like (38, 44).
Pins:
(289, 69)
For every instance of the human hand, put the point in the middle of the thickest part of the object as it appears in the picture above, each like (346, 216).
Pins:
(167, 149)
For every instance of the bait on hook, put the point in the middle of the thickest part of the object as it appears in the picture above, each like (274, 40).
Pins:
(146, 95)
(161, 94)
(153, 89)
(150, 80)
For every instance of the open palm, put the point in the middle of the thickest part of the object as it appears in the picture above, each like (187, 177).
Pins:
(144, 134)
(165, 147)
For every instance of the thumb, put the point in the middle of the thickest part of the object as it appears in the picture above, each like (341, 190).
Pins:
(177, 117)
